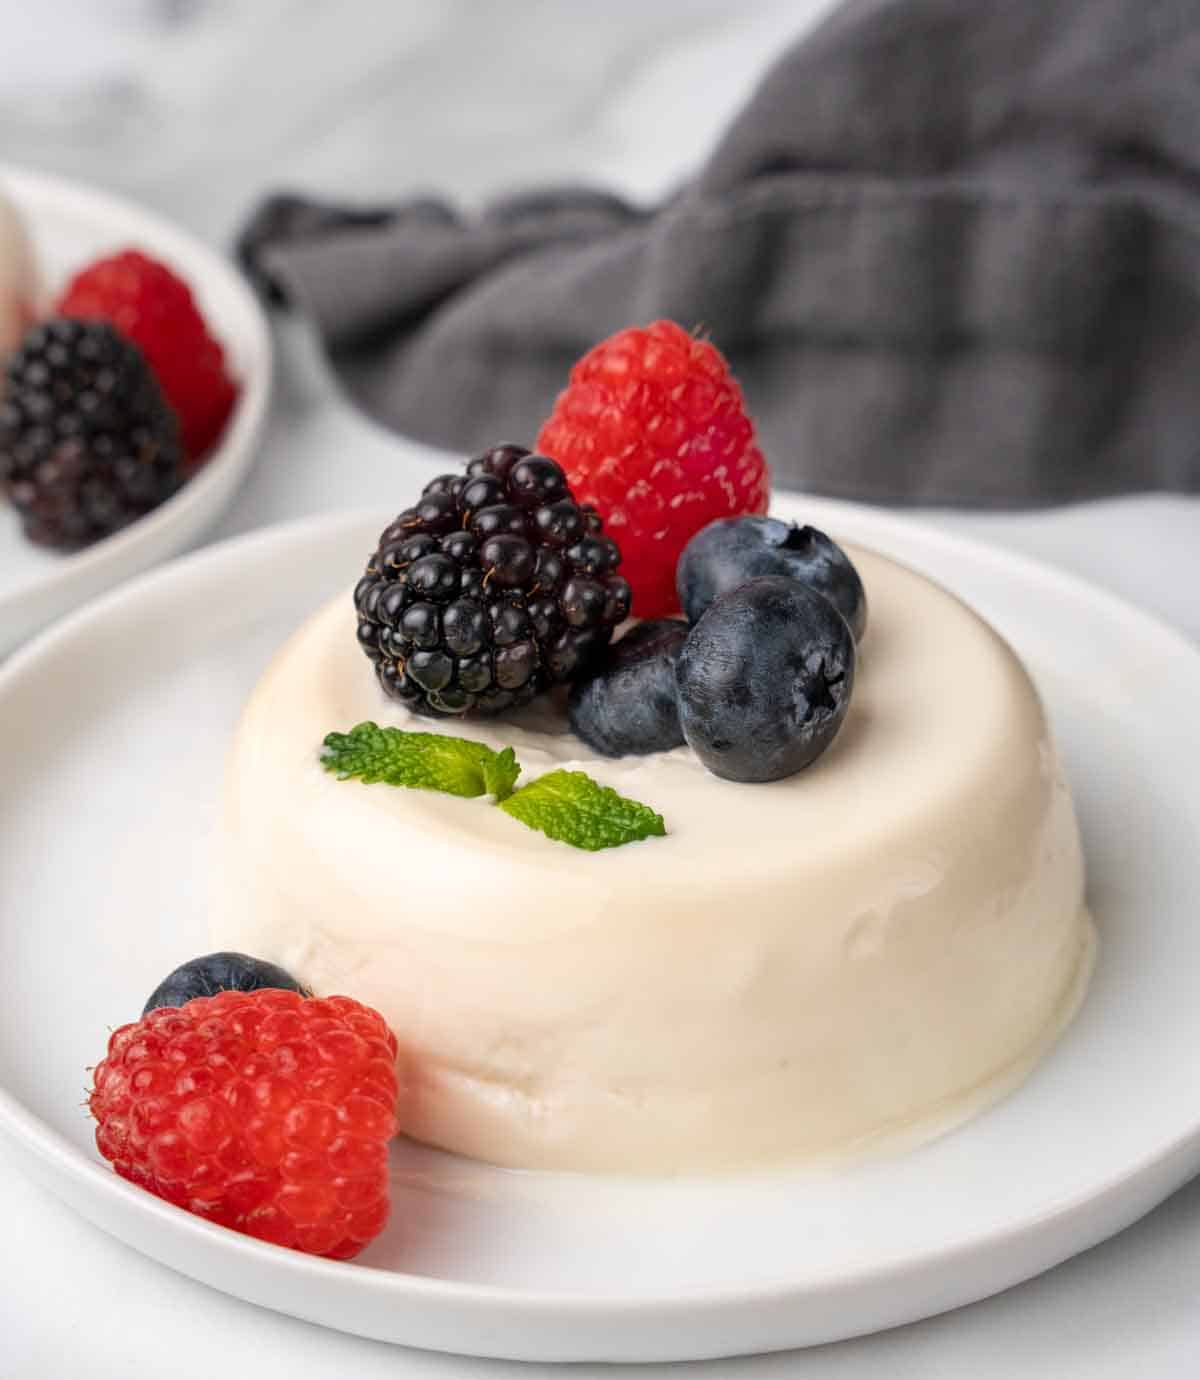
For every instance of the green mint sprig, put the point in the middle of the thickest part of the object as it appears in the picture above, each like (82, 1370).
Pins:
(571, 807)
(567, 806)
(424, 761)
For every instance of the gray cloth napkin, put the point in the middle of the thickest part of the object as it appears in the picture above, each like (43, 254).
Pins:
(951, 248)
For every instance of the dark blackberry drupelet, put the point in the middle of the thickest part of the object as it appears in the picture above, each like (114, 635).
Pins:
(87, 442)
(493, 586)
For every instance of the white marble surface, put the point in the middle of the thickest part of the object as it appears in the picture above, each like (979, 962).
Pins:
(198, 106)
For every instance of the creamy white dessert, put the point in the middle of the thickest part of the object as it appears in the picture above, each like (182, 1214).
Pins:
(18, 278)
(861, 954)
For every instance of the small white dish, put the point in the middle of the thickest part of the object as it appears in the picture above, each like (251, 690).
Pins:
(70, 225)
(113, 729)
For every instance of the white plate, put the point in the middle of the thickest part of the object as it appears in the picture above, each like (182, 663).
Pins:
(71, 225)
(112, 731)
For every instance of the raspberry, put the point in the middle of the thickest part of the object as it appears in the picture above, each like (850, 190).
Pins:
(651, 430)
(154, 308)
(493, 586)
(87, 444)
(264, 1111)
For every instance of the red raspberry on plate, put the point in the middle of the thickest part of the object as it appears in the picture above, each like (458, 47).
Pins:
(265, 1111)
(153, 307)
(652, 431)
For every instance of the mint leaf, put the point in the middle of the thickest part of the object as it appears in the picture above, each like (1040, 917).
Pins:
(424, 761)
(565, 805)
(572, 808)
(500, 772)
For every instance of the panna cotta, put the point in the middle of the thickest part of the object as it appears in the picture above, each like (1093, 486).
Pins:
(861, 954)
(18, 278)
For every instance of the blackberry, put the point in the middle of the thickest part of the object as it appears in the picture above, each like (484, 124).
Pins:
(87, 442)
(493, 586)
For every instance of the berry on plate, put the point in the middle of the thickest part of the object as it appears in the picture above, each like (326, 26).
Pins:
(219, 972)
(154, 308)
(765, 679)
(87, 443)
(265, 1111)
(495, 585)
(627, 705)
(652, 431)
(727, 553)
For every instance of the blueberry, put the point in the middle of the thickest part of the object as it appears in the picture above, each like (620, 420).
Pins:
(223, 972)
(628, 704)
(764, 679)
(731, 551)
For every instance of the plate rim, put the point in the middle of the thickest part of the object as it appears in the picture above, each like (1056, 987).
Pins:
(1166, 1161)
(232, 458)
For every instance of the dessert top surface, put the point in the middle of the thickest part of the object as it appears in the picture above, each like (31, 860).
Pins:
(942, 714)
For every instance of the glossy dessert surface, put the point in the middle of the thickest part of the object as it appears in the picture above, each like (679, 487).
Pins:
(861, 954)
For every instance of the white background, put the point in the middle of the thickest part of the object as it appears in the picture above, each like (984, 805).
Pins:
(199, 106)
